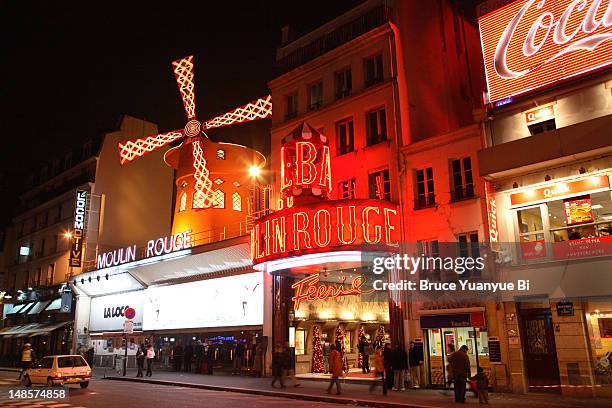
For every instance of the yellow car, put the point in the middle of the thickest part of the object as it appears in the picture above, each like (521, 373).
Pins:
(59, 370)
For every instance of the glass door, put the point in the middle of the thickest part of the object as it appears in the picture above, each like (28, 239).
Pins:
(435, 357)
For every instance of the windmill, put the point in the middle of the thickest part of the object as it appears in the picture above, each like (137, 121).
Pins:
(193, 132)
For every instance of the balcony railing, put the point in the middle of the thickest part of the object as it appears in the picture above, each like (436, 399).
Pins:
(341, 35)
(461, 193)
(424, 201)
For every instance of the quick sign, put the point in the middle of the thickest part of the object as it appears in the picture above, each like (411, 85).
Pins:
(108, 313)
(529, 44)
(326, 226)
(561, 189)
(78, 229)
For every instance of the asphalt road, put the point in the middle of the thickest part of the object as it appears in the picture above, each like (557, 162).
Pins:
(117, 394)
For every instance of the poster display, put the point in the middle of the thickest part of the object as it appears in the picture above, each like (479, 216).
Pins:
(578, 210)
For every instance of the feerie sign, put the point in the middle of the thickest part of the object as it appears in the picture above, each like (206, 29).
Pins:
(326, 226)
(155, 247)
(529, 44)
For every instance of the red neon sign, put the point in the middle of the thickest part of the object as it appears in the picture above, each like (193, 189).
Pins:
(529, 44)
(328, 225)
(307, 289)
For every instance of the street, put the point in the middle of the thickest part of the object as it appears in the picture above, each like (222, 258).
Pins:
(104, 393)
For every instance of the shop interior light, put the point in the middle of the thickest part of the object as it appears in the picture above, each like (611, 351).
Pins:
(597, 207)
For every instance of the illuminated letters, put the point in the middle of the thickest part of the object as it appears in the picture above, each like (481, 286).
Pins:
(306, 171)
(297, 230)
(366, 225)
(322, 292)
(352, 225)
(325, 227)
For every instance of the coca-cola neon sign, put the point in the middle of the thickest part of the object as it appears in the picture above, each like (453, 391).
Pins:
(529, 44)
(307, 289)
(330, 225)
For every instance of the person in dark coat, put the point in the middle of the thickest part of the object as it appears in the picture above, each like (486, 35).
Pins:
(482, 386)
(278, 366)
(199, 356)
(188, 357)
(415, 359)
(400, 365)
(210, 358)
(89, 356)
(388, 361)
(362, 347)
(238, 358)
(140, 360)
(460, 364)
(177, 354)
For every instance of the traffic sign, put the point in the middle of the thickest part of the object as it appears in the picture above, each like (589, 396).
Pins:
(129, 313)
(128, 327)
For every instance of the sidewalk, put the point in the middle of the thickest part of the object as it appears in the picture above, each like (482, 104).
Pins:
(355, 394)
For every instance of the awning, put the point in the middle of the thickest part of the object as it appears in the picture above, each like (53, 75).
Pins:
(55, 304)
(22, 308)
(20, 330)
(48, 328)
(38, 307)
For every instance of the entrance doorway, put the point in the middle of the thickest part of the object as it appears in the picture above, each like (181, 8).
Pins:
(540, 352)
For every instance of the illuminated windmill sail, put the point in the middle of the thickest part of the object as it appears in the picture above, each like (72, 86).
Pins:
(192, 132)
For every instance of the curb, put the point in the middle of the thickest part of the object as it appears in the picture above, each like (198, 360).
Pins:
(278, 394)
(15, 370)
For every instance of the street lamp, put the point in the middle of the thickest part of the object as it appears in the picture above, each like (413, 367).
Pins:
(254, 171)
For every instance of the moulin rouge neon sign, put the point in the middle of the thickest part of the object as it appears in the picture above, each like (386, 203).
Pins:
(532, 43)
(307, 289)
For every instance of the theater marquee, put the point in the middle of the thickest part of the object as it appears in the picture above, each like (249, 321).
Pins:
(529, 44)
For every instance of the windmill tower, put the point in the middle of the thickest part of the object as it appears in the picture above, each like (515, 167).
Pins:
(213, 180)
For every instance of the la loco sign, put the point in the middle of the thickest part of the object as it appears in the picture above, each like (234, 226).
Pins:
(326, 226)
(529, 44)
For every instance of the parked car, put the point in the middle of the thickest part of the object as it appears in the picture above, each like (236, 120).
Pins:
(59, 370)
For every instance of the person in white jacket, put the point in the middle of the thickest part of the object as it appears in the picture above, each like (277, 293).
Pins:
(150, 357)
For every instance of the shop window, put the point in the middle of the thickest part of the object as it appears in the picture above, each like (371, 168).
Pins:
(347, 188)
(425, 194)
(220, 154)
(376, 126)
(344, 83)
(469, 248)
(218, 199)
(291, 106)
(345, 138)
(236, 202)
(300, 342)
(315, 96)
(380, 185)
(373, 70)
(183, 202)
(462, 182)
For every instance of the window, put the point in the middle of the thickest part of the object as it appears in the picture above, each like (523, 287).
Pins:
(41, 249)
(425, 195)
(344, 84)
(183, 202)
(70, 361)
(430, 249)
(236, 184)
(347, 188)
(291, 108)
(236, 202)
(46, 362)
(376, 126)
(220, 154)
(542, 127)
(469, 248)
(218, 199)
(315, 96)
(50, 274)
(373, 70)
(300, 342)
(218, 181)
(38, 276)
(463, 184)
(345, 138)
(380, 185)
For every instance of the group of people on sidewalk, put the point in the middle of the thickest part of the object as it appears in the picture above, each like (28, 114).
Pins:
(145, 354)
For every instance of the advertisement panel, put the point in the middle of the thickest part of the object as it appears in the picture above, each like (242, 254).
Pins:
(529, 44)
(78, 229)
(228, 301)
(107, 312)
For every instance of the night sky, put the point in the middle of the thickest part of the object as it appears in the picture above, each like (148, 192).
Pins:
(70, 70)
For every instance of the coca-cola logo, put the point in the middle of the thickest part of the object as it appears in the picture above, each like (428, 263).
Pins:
(553, 39)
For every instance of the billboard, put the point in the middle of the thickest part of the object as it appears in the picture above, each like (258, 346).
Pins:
(107, 312)
(530, 44)
(222, 302)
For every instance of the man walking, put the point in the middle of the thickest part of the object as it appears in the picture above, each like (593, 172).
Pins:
(363, 349)
(278, 366)
(415, 359)
(336, 369)
(460, 365)
(326, 351)
(27, 356)
(400, 364)
(140, 360)
(238, 356)
(379, 371)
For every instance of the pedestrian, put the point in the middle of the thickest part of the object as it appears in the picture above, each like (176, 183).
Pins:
(449, 370)
(188, 357)
(140, 359)
(388, 361)
(363, 348)
(278, 366)
(290, 364)
(400, 365)
(150, 357)
(415, 359)
(238, 358)
(379, 371)
(177, 353)
(27, 357)
(336, 369)
(89, 356)
(482, 386)
(258, 363)
(199, 356)
(460, 365)
(210, 358)
(326, 351)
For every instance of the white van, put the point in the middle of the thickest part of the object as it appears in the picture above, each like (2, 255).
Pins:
(59, 370)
